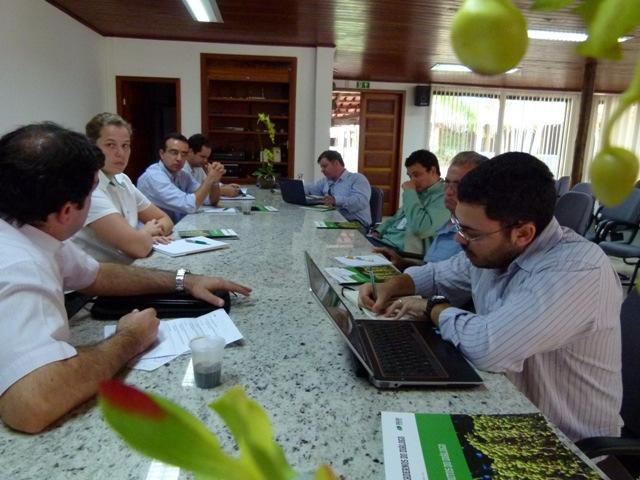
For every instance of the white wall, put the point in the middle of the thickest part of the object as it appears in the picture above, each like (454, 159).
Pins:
(153, 58)
(415, 122)
(51, 66)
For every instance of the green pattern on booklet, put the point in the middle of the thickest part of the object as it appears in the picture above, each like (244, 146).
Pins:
(381, 273)
(263, 208)
(213, 233)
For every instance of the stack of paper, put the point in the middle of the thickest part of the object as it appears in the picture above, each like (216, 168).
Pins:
(346, 275)
(363, 260)
(174, 337)
(189, 245)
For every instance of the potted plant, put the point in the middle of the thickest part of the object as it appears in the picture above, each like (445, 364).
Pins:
(266, 173)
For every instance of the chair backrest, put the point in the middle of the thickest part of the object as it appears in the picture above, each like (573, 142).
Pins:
(376, 203)
(574, 210)
(584, 187)
(628, 211)
(630, 329)
(562, 185)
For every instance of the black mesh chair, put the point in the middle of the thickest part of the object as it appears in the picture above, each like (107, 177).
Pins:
(614, 222)
(376, 203)
(626, 448)
(574, 210)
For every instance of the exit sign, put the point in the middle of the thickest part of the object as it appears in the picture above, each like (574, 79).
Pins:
(362, 84)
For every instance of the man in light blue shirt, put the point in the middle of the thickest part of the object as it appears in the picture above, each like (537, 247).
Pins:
(348, 192)
(173, 190)
(547, 300)
(444, 244)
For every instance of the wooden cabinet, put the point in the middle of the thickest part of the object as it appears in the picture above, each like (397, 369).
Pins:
(235, 89)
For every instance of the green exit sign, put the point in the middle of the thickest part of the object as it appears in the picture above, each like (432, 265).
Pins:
(362, 84)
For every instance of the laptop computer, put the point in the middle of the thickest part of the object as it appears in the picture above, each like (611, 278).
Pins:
(293, 192)
(394, 353)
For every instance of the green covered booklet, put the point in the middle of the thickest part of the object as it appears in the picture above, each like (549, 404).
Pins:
(469, 447)
(333, 225)
(212, 233)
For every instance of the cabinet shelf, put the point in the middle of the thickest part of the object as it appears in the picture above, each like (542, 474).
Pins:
(243, 132)
(235, 90)
(242, 115)
(251, 100)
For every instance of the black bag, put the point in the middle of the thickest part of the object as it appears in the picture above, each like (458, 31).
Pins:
(168, 305)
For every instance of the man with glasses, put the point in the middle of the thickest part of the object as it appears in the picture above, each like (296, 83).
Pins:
(172, 189)
(547, 300)
(444, 244)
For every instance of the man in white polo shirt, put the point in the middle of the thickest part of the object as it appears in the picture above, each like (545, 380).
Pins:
(47, 175)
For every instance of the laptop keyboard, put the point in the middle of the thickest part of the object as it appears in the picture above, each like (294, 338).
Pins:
(402, 352)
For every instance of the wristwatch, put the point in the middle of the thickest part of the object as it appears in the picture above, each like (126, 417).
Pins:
(432, 302)
(180, 274)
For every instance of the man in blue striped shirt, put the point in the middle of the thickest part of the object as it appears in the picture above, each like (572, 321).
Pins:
(547, 301)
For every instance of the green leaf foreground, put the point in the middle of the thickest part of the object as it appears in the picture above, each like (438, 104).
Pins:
(606, 21)
(160, 429)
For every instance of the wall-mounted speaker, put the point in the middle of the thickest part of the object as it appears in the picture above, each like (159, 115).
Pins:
(423, 95)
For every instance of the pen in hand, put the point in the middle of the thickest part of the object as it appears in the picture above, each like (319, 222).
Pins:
(372, 280)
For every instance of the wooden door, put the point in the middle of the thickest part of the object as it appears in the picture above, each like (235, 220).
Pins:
(380, 143)
(152, 107)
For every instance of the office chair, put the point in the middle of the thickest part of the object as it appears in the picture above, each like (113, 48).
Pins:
(584, 187)
(562, 185)
(574, 210)
(613, 221)
(626, 448)
(376, 202)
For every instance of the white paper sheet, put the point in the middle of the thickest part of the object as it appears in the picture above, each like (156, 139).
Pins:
(174, 337)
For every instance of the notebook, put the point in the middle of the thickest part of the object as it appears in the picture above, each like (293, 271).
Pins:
(293, 192)
(394, 353)
(186, 246)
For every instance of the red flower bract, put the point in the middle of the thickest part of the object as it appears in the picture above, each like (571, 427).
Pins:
(129, 399)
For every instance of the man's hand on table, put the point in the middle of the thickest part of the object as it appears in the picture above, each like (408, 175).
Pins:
(200, 286)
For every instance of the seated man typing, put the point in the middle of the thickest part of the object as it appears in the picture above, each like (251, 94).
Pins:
(547, 300)
(48, 174)
(347, 191)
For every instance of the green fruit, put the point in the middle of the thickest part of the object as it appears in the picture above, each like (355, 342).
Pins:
(613, 175)
(489, 36)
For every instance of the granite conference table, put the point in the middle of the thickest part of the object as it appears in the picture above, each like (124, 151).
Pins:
(292, 361)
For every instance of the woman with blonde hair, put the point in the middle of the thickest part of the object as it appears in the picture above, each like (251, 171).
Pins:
(122, 223)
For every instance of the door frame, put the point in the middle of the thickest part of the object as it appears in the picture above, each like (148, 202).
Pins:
(395, 202)
(120, 79)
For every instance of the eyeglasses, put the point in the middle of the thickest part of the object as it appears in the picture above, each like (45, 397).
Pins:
(467, 237)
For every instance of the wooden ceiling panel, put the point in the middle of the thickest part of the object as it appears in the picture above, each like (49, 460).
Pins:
(386, 40)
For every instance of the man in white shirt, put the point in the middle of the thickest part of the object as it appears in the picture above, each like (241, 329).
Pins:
(547, 301)
(197, 164)
(48, 174)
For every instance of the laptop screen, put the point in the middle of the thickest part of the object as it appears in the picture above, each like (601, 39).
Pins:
(334, 305)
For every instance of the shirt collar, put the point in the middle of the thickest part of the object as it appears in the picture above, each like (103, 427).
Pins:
(344, 174)
(547, 239)
(103, 180)
(166, 170)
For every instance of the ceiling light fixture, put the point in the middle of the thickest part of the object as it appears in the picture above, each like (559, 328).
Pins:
(562, 36)
(453, 67)
(204, 10)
